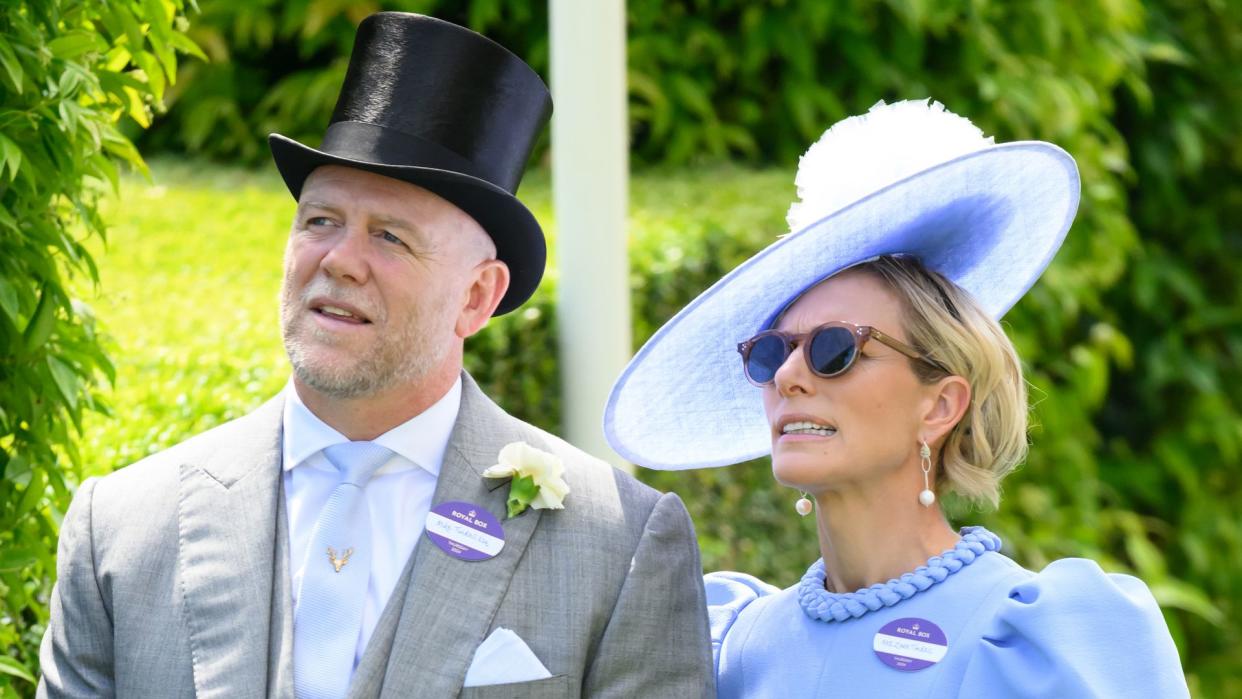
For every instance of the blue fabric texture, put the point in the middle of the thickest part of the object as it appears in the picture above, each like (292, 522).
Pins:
(819, 603)
(328, 617)
(1071, 630)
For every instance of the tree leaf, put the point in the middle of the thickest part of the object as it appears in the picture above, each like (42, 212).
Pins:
(154, 74)
(32, 495)
(17, 468)
(75, 44)
(40, 326)
(10, 156)
(130, 24)
(159, 34)
(1179, 595)
(185, 44)
(66, 380)
(164, 52)
(137, 108)
(7, 220)
(12, 67)
(8, 300)
(10, 666)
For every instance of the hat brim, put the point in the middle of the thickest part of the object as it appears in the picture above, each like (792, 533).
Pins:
(518, 237)
(990, 220)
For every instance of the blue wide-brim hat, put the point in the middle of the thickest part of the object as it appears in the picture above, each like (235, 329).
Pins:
(909, 178)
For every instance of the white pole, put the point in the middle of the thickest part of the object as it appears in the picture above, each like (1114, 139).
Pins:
(590, 172)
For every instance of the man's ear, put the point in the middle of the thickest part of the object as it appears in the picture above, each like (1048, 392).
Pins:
(491, 281)
(949, 400)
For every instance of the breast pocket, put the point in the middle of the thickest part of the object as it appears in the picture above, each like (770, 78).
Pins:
(549, 688)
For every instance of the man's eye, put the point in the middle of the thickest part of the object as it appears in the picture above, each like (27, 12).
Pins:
(390, 238)
(318, 221)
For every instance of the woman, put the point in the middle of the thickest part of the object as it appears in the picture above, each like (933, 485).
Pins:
(880, 379)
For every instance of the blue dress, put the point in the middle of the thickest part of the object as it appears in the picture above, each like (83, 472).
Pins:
(970, 623)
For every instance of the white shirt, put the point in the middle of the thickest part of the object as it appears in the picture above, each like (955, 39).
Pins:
(399, 495)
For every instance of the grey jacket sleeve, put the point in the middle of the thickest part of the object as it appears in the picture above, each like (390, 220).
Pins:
(76, 653)
(657, 643)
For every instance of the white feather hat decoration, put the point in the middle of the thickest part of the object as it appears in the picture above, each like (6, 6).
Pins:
(862, 154)
(905, 178)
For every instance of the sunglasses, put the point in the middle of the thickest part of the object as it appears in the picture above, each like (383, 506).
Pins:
(829, 350)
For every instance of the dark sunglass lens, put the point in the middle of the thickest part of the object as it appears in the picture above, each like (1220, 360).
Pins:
(767, 355)
(832, 350)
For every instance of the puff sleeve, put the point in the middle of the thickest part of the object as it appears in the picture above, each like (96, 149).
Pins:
(728, 593)
(1075, 631)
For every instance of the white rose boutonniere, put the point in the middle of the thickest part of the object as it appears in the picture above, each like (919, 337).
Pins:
(537, 478)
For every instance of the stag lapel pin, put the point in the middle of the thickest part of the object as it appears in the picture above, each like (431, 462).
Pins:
(338, 563)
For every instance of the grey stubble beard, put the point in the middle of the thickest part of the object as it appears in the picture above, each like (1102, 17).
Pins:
(399, 358)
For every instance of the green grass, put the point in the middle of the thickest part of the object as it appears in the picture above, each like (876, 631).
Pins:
(187, 297)
(191, 272)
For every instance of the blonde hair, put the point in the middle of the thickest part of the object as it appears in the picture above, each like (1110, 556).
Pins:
(946, 324)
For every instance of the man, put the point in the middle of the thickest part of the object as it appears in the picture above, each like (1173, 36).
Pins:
(342, 540)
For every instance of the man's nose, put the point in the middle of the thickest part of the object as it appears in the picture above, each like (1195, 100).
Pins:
(348, 257)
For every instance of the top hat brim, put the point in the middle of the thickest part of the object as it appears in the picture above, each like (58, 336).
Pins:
(990, 220)
(518, 237)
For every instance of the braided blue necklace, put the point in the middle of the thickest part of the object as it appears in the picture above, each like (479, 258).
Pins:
(822, 605)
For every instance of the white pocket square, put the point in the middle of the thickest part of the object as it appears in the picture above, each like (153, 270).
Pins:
(504, 658)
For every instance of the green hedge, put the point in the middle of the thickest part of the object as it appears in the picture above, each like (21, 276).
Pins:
(68, 70)
(751, 80)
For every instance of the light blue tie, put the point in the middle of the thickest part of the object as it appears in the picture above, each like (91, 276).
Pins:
(334, 582)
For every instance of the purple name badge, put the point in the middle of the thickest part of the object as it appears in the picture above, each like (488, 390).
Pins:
(910, 644)
(465, 530)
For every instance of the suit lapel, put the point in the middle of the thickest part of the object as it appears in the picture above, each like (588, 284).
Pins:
(280, 642)
(450, 603)
(227, 519)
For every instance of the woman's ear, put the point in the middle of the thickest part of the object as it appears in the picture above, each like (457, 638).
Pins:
(949, 400)
(491, 281)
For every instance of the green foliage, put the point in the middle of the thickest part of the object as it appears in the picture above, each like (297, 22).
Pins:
(750, 80)
(1171, 426)
(68, 70)
(278, 65)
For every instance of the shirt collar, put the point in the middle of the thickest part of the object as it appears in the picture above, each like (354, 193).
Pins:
(421, 440)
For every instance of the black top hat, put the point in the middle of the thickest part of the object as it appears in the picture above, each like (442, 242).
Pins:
(437, 105)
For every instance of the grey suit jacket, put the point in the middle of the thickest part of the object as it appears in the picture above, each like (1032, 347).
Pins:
(174, 579)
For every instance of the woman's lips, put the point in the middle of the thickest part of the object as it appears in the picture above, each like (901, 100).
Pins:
(799, 427)
(785, 438)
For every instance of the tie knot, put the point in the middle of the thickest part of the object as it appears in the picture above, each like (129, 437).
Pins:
(357, 461)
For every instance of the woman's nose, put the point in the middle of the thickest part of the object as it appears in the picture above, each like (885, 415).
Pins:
(793, 376)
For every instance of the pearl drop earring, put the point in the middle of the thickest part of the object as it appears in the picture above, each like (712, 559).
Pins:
(804, 505)
(927, 497)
